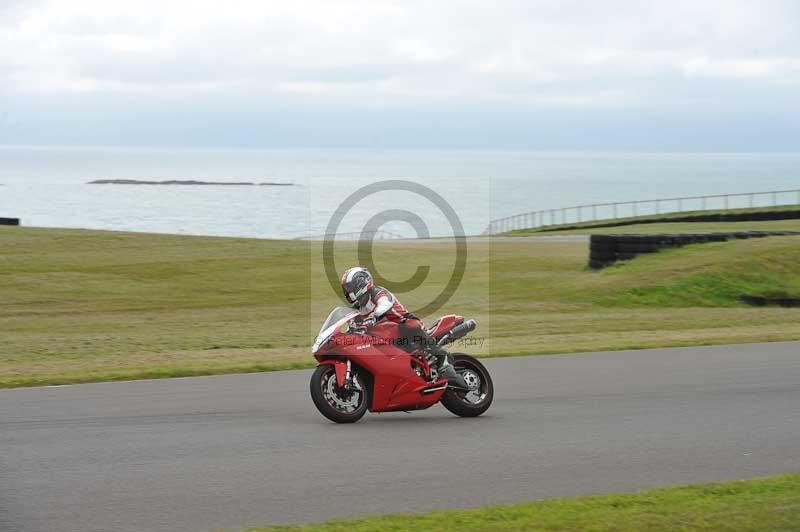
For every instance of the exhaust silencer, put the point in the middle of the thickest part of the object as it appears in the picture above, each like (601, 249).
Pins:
(459, 331)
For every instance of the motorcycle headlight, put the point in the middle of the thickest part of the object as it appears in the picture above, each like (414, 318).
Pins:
(321, 340)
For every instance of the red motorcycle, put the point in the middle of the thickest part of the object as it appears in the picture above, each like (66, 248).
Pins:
(381, 371)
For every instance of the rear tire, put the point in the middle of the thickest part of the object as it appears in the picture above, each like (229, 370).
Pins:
(463, 403)
(335, 403)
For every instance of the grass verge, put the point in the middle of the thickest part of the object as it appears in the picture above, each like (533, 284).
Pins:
(766, 504)
(82, 306)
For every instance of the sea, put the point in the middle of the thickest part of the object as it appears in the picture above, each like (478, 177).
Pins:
(403, 193)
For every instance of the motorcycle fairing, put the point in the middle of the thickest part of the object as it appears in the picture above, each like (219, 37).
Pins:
(396, 385)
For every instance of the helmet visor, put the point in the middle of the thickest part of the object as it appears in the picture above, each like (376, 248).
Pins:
(349, 296)
(352, 293)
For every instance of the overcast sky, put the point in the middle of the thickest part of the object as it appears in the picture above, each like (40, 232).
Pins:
(699, 75)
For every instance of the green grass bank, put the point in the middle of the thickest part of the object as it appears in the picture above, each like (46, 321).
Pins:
(759, 505)
(81, 306)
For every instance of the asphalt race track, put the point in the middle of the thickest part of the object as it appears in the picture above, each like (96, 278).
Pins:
(231, 451)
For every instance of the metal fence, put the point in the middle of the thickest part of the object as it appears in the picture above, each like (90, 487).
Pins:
(361, 235)
(625, 209)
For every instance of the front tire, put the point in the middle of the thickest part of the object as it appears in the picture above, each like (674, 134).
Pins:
(335, 403)
(477, 400)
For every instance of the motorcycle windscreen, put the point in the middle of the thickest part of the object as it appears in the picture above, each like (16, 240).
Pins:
(338, 314)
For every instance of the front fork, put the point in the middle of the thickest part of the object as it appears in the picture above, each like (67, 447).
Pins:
(349, 381)
(344, 374)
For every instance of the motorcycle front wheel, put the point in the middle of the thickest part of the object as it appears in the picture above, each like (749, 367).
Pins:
(478, 398)
(335, 403)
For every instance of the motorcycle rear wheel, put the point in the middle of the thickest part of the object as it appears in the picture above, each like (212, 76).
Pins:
(474, 402)
(335, 403)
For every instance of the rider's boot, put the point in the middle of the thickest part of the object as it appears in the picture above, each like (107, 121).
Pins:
(445, 368)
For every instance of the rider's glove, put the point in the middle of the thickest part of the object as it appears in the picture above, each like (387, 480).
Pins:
(368, 322)
(360, 326)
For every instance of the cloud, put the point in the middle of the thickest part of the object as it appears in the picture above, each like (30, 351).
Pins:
(406, 54)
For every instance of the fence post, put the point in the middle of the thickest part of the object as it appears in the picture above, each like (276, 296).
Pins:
(634, 208)
(658, 206)
(680, 205)
(750, 198)
(615, 211)
(726, 201)
(774, 198)
(594, 207)
(704, 203)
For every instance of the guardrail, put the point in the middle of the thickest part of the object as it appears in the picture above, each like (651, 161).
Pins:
(624, 209)
(361, 235)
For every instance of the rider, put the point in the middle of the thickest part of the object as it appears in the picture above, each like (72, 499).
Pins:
(375, 303)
